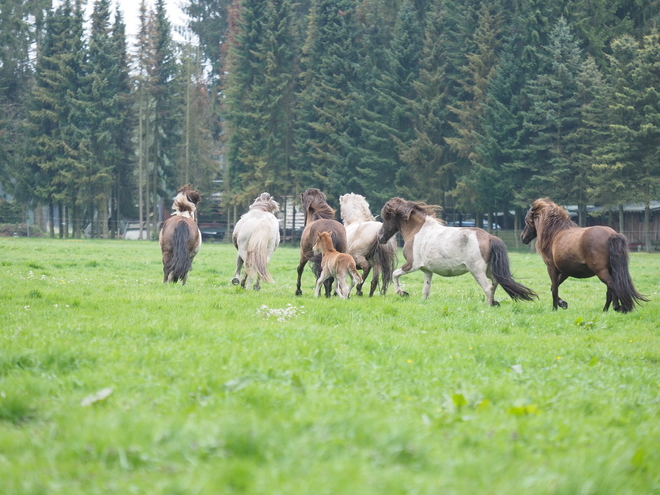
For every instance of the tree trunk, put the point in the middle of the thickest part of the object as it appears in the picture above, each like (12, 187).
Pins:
(647, 224)
(51, 219)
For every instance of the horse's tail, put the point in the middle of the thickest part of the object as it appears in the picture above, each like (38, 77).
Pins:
(499, 266)
(355, 275)
(623, 288)
(181, 263)
(256, 259)
(385, 262)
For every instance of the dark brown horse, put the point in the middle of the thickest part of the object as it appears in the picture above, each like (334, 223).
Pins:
(180, 239)
(580, 252)
(319, 217)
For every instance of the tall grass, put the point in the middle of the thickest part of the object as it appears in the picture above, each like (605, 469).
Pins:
(111, 382)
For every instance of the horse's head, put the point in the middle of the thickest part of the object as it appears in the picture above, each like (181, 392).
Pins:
(354, 208)
(538, 208)
(266, 202)
(529, 232)
(394, 211)
(323, 242)
(191, 194)
(185, 202)
(312, 196)
(316, 205)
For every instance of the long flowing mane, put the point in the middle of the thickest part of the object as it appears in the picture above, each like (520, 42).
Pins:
(405, 209)
(548, 218)
(315, 203)
(186, 200)
(355, 208)
(265, 202)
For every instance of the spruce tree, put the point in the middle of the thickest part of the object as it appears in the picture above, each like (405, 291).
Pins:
(428, 171)
(328, 154)
(551, 121)
(387, 122)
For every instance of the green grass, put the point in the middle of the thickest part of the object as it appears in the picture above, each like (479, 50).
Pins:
(210, 393)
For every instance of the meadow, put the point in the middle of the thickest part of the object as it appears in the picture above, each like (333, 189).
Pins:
(112, 382)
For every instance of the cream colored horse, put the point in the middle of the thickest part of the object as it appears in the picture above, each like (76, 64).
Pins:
(256, 236)
(361, 232)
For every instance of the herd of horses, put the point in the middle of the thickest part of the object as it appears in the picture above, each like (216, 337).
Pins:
(336, 250)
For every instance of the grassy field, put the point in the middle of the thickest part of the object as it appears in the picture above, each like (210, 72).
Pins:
(111, 382)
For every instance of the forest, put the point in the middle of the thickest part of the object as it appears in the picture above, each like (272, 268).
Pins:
(479, 107)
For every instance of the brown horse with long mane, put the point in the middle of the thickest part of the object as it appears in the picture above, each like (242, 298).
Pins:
(581, 252)
(319, 217)
(180, 238)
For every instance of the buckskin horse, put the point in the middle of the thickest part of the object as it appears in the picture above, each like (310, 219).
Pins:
(581, 252)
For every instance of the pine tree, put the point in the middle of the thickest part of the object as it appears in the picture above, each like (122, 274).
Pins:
(123, 128)
(165, 119)
(330, 101)
(551, 120)
(102, 114)
(57, 156)
(387, 121)
(21, 25)
(428, 171)
(476, 182)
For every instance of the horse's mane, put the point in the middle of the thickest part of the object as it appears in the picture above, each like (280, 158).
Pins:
(549, 218)
(265, 202)
(354, 208)
(186, 200)
(314, 202)
(399, 206)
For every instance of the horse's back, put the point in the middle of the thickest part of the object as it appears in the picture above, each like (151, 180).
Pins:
(336, 228)
(450, 251)
(582, 252)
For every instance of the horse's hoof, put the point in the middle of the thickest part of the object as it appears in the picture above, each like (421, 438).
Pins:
(235, 281)
(404, 294)
(256, 287)
(563, 304)
(495, 303)
(358, 293)
(298, 292)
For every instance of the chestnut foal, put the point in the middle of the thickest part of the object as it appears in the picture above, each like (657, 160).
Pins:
(335, 264)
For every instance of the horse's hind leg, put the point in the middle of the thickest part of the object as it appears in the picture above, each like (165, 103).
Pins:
(364, 265)
(239, 266)
(611, 296)
(257, 285)
(487, 286)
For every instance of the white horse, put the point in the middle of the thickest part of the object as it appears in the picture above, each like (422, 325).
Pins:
(256, 236)
(448, 251)
(361, 232)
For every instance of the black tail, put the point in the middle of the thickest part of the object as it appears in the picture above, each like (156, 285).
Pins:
(623, 288)
(181, 263)
(499, 266)
(385, 258)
